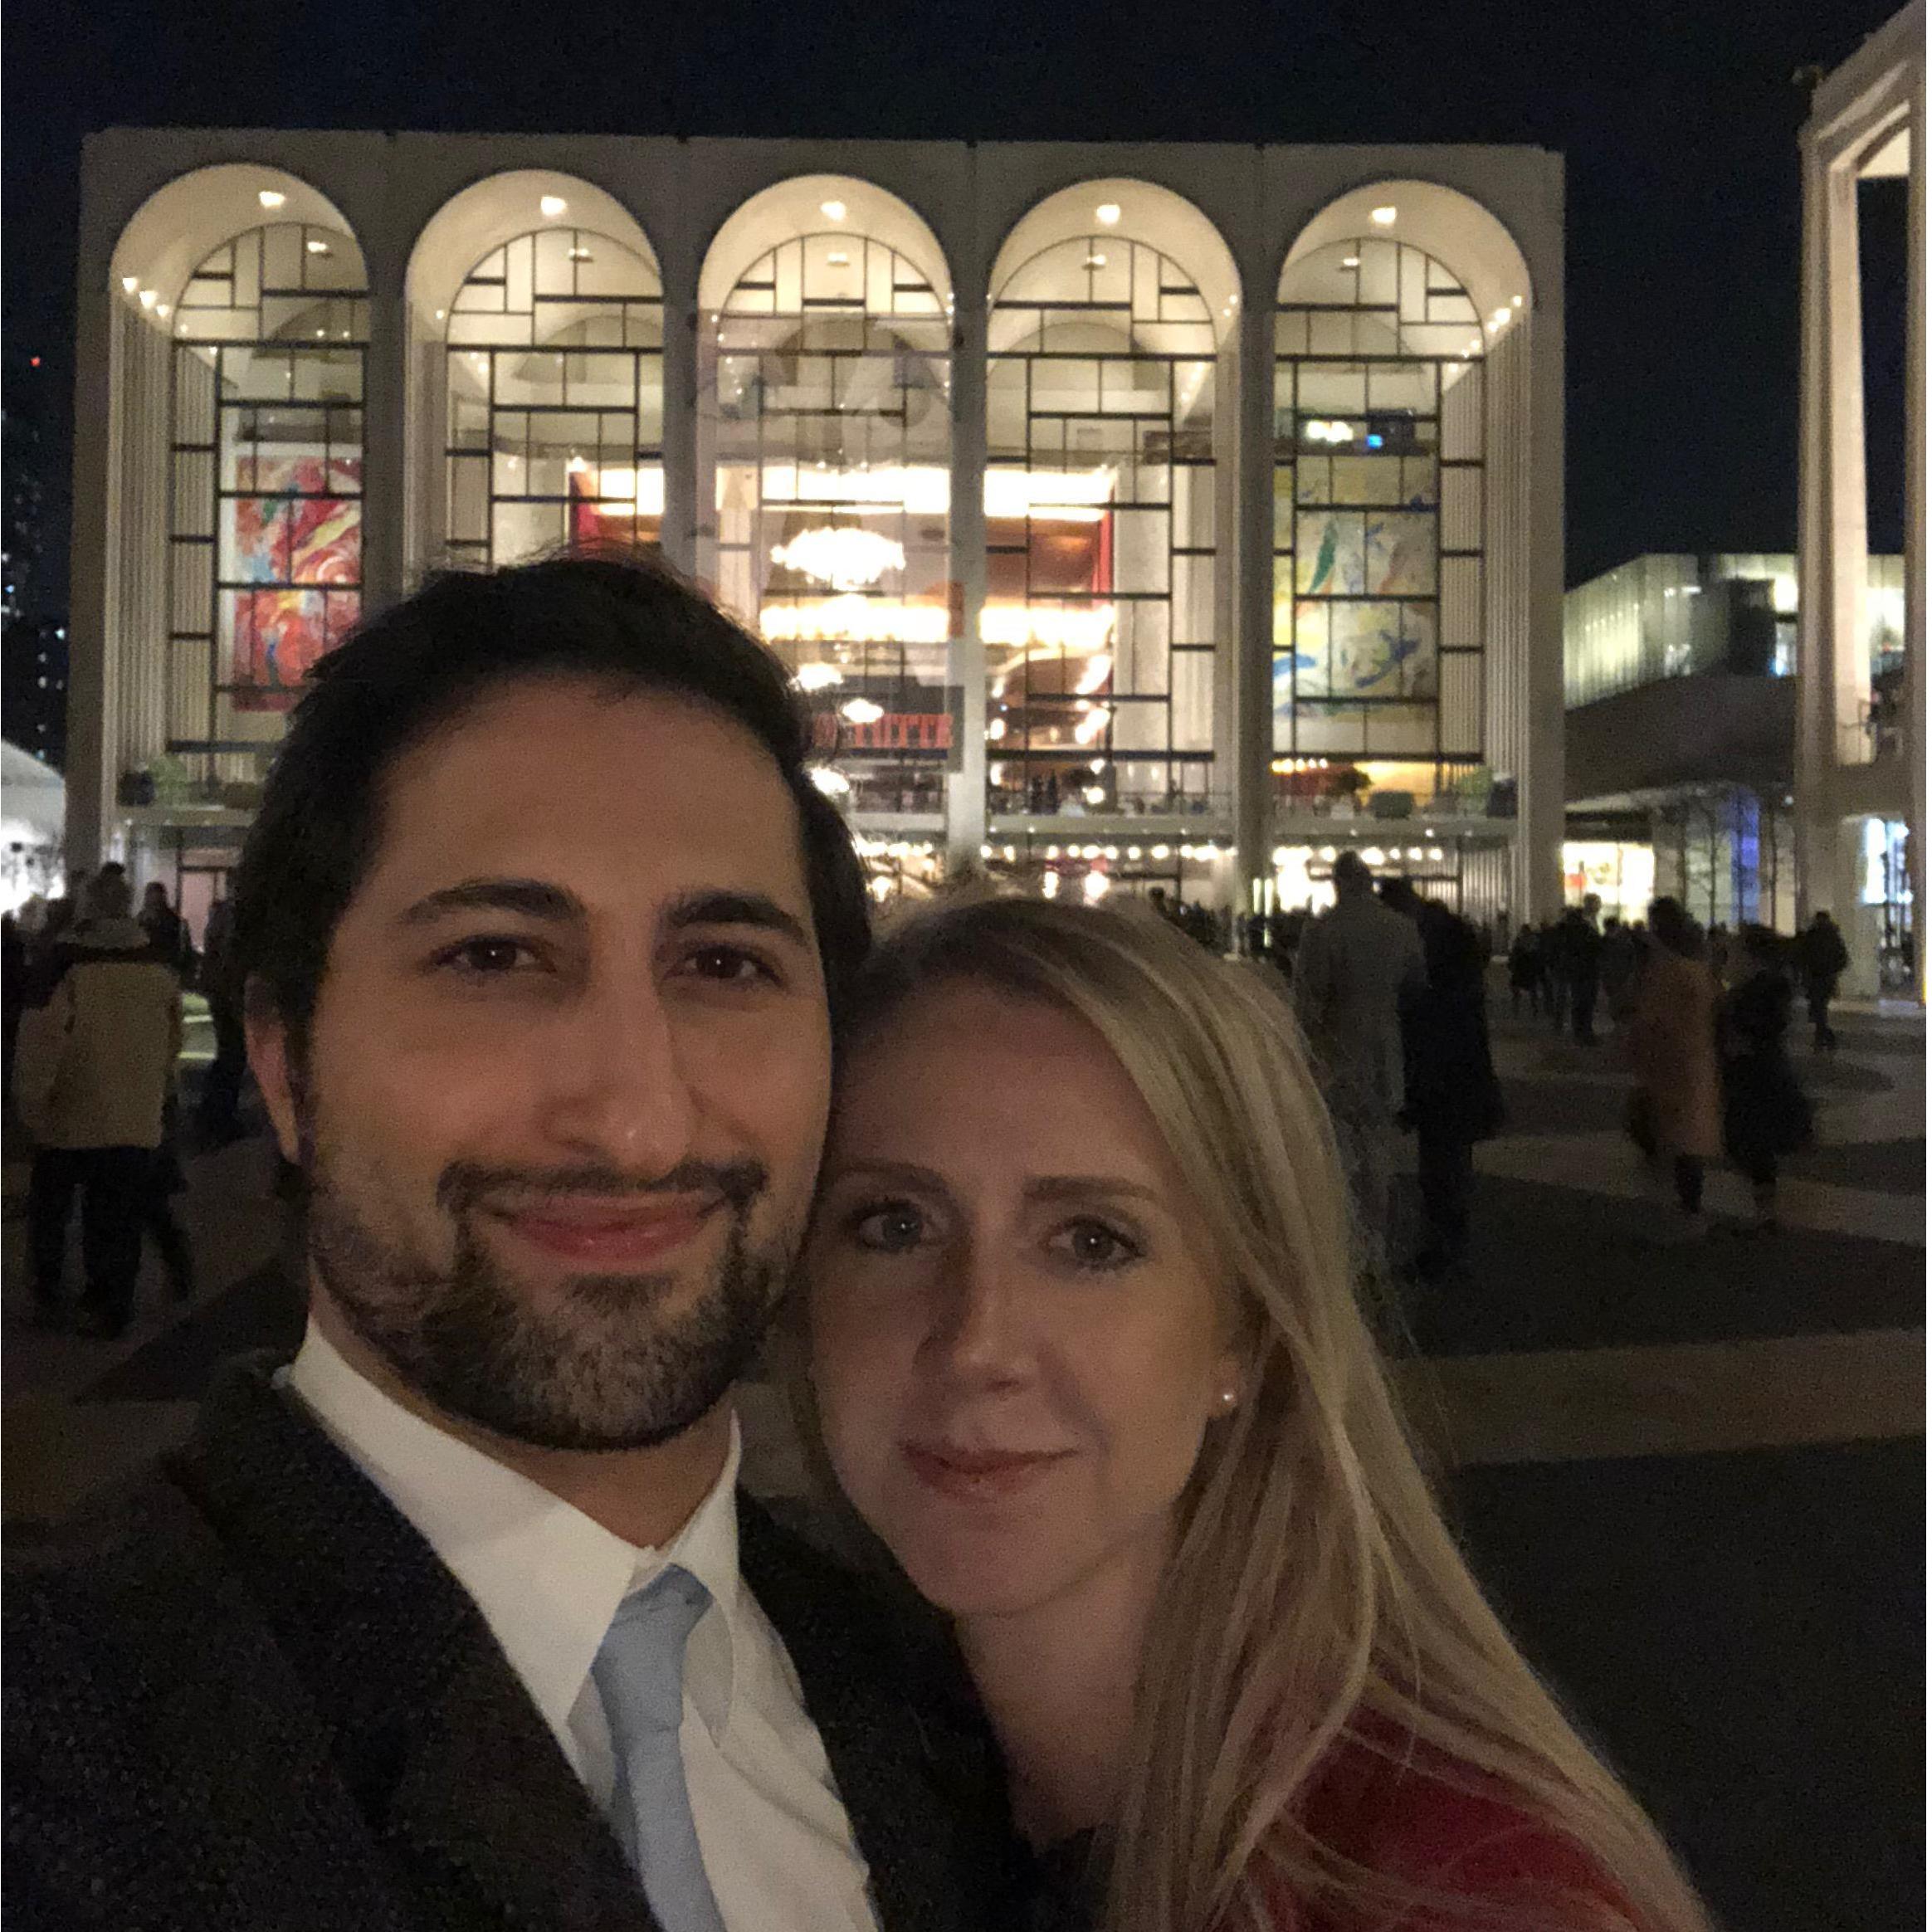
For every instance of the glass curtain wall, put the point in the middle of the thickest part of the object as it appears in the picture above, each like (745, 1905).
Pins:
(555, 417)
(265, 487)
(1101, 617)
(1378, 531)
(833, 440)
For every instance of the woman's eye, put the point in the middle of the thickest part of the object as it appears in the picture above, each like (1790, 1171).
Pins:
(893, 1229)
(1093, 1244)
(487, 959)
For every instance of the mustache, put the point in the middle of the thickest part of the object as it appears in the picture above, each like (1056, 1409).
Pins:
(467, 1184)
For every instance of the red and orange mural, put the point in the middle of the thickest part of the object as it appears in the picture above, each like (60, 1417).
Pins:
(302, 541)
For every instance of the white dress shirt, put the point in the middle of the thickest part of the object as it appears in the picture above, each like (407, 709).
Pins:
(777, 1846)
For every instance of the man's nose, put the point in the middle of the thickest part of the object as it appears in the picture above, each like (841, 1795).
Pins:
(614, 1084)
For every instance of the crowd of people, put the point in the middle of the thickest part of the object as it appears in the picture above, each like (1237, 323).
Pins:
(94, 1029)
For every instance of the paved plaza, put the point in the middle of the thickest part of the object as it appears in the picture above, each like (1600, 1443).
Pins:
(1691, 1476)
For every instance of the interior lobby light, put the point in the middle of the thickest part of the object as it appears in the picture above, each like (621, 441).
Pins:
(129, 283)
(149, 298)
(316, 247)
(1160, 851)
(847, 559)
(580, 254)
(862, 711)
(818, 677)
(833, 783)
(1515, 301)
(1096, 261)
(1107, 213)
(550, 206)
(838, 259)
(1383, 217)
(272, 197)
(161, 309)
(1351, 261)
(833, 211)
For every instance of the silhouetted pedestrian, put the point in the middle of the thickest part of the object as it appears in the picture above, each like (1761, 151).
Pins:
(1526, 970)
(95, 1064)
(1676, 1107)
(219, 1118)
(1822, 959)
(1765, 1111)
(1356, 963)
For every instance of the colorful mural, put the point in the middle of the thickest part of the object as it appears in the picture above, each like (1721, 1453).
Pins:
(303, 543)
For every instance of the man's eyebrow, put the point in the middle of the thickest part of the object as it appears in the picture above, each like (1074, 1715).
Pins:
(534, 898)
(728, 908)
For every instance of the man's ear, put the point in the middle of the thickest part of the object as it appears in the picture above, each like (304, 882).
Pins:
(270, 1055)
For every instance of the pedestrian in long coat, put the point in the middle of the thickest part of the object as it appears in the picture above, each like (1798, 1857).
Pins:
(1677, 1108)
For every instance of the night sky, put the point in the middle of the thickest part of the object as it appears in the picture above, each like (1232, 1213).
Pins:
(1678, 123)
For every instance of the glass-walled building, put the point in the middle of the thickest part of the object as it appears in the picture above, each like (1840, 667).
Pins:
(1172, 516)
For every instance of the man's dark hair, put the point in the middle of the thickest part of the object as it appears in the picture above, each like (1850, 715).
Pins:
(620, 619)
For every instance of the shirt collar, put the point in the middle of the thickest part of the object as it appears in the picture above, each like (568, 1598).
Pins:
(547, 1578)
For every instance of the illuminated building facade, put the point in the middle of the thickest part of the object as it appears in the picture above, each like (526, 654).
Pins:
(1173, 515)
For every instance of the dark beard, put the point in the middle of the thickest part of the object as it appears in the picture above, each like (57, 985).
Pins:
(602, 1369)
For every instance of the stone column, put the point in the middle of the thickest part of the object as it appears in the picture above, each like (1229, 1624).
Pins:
(1253, 537)
(966, 541)
(678, 532)
(1916, 745)
(386, 389)
(89, 659)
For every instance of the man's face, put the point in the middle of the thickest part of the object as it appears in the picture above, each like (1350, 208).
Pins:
(566, 1084)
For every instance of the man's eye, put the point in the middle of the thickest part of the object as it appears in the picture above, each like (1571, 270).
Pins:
(487, 959)
(731, 966)
(892, 1228)
(1093, 1244)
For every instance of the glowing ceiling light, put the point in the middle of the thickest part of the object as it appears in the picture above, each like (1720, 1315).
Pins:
(1107, 213)
(1096, 261)
(161, 309)
(848, 559)
(835, 784)
(1162, 851)
(149, 298)
(818, 677)
(272, 197)
(1515, 301)
(440, 313)
(1134, 851)
(862, 711)
(1050, 886)
(1053, 851)
(1351, 261)
(315, 246)
(833, 211)
(838, 258)
(995, 728)
(129, 283)
(1097, 766)
(580, 254)
(1383, 217)
(550, 206)
(1500, 317)
(1099, 668)
(1096, 886)
(986, 852)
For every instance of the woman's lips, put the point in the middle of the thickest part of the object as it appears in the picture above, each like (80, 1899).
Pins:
(978, 1473)
(606, 1234)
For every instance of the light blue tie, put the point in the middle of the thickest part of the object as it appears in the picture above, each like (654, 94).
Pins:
(639, 1674)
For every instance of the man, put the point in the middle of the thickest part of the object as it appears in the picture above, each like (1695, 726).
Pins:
(1355, 965)
(1821, 958)
(93, 1068)
(1579, 949)
(445, 1625)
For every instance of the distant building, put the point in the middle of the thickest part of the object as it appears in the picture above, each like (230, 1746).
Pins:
(1131, 515)
(1679, 731)
(1860, 771)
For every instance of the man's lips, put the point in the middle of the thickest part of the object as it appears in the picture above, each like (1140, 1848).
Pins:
(978, 1473)
(605, 1233)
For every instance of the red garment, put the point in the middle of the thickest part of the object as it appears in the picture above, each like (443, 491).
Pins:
(1404, 1822)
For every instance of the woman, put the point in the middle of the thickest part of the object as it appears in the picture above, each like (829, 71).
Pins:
(1086, 1358)
(1765, 1110)
(1676, 1110)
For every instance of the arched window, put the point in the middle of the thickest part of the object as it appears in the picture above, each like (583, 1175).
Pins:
(1101, 611)
(264, 485)
(1379, 526)
(556, 398)
(833, 442)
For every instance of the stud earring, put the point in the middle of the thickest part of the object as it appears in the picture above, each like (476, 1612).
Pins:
(1229, 1398)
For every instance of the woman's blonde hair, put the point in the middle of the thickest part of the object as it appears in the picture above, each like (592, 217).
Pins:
(1315, 1595)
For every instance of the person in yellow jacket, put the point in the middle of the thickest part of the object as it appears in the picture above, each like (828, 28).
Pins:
(1677, 1108)
(94, 1060)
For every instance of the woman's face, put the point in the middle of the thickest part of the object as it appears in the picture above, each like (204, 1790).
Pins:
(1015, 1340)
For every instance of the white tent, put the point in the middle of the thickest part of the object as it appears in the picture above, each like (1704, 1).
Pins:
(33, 800)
